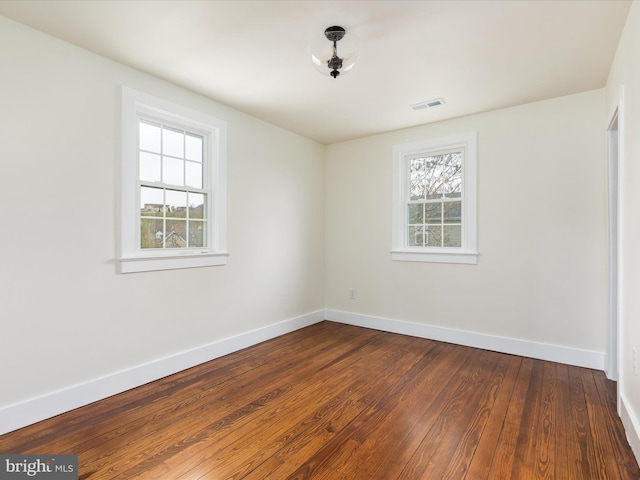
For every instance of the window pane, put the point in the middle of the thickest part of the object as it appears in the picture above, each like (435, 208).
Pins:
(151, 233)
(172, 171)
(149, 137)
(193, 174)
(176, 234)
(151, 201)
(443, 175)
(432, 180)
(196, 205)
(193, 147)
(453, 187)
(172, 143)
(176, 203)
(196, 234)
(415, 213)
(416, 236)
(452, 212)
(452, 175)
(433, 212)
(417, 174)
(434, 236)
(452, 236)
(150, 167)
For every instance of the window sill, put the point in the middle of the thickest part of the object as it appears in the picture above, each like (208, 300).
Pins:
(150, 263)
(470, 258)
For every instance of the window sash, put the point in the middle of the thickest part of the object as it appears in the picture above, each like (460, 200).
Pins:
(425, 224)
(164, 239)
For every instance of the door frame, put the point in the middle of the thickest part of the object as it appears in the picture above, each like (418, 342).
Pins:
(615, 196)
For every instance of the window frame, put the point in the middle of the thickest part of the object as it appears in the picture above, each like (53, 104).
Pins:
(138, 106)
(467, 253)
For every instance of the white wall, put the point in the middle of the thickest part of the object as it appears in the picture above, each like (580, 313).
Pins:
(66, 316)
(625, 72)
(542, 270)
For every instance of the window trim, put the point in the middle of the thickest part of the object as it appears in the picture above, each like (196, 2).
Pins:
(467, 253)
(131, 257)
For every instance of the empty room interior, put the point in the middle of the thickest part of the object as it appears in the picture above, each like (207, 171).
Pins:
(321, 239)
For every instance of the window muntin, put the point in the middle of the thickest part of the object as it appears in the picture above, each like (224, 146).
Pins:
(434, 200)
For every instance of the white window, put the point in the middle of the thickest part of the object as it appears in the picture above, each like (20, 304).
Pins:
(434, 200)
(173, 186)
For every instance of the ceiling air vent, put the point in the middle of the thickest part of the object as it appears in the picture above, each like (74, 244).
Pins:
(428, 104)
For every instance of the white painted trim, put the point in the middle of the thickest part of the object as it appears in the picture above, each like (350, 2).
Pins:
(54, 403)
(615, 197)
(163, 262)
(470, 258)
(513, 346)
(611, 362)
(621, 230)
(631, 425)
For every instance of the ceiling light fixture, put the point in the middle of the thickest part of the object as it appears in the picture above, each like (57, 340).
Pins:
(327, 60)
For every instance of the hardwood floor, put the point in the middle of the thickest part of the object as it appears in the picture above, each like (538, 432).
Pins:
(334, 402)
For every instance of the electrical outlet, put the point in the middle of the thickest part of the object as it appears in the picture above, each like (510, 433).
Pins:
(352, 294)
(635, 360)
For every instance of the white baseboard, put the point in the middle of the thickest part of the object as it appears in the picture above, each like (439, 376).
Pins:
(54, 403)
(524, 348)
(36, 409)
(631, 426)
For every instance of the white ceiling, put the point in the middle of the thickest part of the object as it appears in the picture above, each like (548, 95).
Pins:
(252, 55)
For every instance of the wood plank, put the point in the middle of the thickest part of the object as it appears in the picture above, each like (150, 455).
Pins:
(504, 457)
(530, 429)
(546, 427)
(565, 462)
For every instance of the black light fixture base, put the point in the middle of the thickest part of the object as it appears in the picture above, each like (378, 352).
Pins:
(334, 33)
